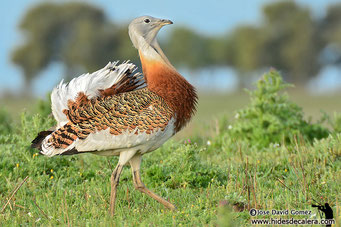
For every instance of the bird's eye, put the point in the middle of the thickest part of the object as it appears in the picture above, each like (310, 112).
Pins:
(146, 20)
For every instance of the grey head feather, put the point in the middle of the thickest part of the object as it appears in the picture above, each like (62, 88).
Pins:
(144, 29)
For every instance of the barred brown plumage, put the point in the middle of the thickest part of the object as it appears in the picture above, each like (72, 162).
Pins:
(116, 112)
(126, 111)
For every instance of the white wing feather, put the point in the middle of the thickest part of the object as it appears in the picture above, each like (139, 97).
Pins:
(88, 83)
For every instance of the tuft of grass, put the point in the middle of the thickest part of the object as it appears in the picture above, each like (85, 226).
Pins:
(43, 106)
(5, 121)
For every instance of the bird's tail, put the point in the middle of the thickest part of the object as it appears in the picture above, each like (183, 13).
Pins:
(55, 142)
(37, 142)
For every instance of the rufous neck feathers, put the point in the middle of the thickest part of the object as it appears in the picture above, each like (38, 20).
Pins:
(163, 79)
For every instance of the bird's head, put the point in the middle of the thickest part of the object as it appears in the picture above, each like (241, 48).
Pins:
(143, 30)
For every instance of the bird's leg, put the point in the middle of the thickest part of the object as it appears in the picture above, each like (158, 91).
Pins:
(115, 178)
(135, 163)
(125, 156)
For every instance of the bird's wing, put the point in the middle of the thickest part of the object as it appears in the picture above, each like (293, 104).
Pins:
(122, 121)
(110, 80)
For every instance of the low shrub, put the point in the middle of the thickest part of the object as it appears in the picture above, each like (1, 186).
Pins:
(271, 118)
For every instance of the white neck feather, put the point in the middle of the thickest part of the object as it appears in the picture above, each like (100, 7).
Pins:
(151, 49)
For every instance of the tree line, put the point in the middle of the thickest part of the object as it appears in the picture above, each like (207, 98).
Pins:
(82, 38)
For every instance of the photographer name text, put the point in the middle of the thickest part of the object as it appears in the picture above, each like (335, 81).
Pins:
(255, 212)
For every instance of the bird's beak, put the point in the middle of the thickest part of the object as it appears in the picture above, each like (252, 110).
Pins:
(164, 22)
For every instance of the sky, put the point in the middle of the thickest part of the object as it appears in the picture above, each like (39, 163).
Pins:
(207, 17)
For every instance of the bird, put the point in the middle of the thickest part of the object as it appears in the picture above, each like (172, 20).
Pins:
(117, 111)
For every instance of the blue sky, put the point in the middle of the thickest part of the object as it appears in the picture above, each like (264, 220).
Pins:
(207, 17)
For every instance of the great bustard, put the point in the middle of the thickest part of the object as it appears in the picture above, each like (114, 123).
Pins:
(115, 111)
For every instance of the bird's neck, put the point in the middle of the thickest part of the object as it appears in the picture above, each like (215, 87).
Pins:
(163, 79)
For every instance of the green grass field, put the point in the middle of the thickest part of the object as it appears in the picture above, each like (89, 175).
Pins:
(213, 179)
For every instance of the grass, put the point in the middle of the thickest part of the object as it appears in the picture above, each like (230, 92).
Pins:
(213, 179)
(75, 190)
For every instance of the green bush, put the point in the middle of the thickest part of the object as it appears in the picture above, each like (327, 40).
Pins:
(271, 118)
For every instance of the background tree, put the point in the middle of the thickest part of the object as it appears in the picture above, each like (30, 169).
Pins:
(75, 34)
(247, 49)
(184, 47)
(330, 28)
(292, 44)
(220, 50)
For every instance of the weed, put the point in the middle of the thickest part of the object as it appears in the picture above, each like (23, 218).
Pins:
(271, 118)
